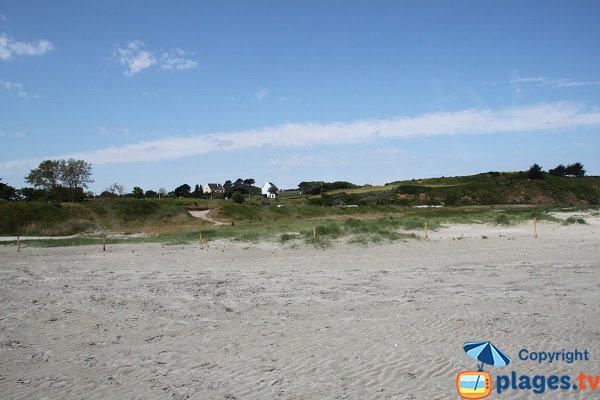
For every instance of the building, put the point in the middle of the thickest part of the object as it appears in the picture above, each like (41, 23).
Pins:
(213, 188)
(270, 190)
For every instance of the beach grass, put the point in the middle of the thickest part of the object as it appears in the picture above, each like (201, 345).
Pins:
(168, 222)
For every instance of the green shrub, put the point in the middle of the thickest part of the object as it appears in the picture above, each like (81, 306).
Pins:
(502, 219)
(237, 197)
(573, 220)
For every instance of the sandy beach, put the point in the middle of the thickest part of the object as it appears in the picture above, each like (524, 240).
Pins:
(262, 320)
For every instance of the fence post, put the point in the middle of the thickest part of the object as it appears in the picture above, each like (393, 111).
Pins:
(18, 243)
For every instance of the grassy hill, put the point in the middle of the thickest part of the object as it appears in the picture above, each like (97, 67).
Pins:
(370, 211)
(481, 189)
(119, 215)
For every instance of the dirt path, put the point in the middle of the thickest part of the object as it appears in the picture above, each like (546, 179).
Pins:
(204, 215)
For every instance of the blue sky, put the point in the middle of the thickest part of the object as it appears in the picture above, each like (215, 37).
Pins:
(156, 94)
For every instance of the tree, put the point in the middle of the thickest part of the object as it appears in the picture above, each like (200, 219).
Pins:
(575, 169)
(31, 194)
(116, 189)
(197, 193)
(70, 174)
(75, 173)
(150, 194)
(238, 197)
(560, 170)
(108, 195)
(62, 179)
(46, 176)
(227, 185)
(249, 181)
(162, 192)
(183, 190)
(535, 172)
(7, 192)
(311, 188)
(137, 192)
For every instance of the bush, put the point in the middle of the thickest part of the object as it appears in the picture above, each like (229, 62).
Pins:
(575, 169)
(535, 172)
(237, 197)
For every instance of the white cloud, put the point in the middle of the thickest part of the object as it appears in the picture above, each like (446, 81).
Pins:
(556, 83)
(13, 87)
(10, 48)
(541, 117)
(175, 61)
(261, 95)
(309, 160)
(135, 57)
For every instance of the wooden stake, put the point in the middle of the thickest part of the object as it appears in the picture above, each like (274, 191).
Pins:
(426, 232)
(535, 227)
(314, 233)
(200, 239)
(18, 244)
(104, 242)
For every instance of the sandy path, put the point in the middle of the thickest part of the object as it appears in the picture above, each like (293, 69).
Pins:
(204, 214)
(238, 321)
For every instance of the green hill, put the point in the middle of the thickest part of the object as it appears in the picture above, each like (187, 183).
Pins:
(120, 215)
(462, 197)
(482, 189)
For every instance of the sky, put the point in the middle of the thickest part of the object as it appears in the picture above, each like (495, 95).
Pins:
(157, 94)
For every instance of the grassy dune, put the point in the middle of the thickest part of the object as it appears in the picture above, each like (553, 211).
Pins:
(122, 215)
(360, 224)
(376, 213)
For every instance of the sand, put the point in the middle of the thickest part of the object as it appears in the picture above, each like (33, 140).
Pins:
(260, 321)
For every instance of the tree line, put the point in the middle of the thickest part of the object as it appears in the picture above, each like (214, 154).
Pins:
(574, 170)
(66, 180)
(318, 187)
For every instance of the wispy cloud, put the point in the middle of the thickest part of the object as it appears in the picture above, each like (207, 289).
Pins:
(309, 160)
(541, 117)
(261, 95)
(15, 87)
(11, 134)
(175, 60)
(10, 47)
(105, 131)
(136, 57)
(556, 83)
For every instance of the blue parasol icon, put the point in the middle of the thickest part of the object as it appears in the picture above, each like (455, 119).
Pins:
(487, 353)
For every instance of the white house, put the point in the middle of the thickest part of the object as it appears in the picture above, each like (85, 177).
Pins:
(213, 188)
(270, 190)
